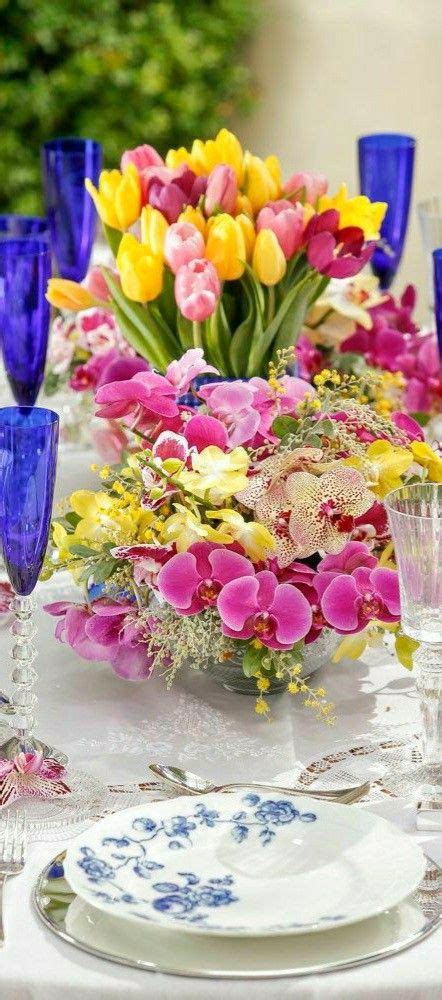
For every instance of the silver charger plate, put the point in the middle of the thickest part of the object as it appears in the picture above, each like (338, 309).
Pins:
(159, 950)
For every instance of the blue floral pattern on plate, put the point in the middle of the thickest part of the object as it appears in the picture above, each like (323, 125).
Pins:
(190, 899)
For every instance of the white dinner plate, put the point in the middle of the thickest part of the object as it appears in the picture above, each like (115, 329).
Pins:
(244, 864)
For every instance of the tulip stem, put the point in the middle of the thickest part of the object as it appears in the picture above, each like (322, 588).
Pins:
(271, 304)
(197, 338)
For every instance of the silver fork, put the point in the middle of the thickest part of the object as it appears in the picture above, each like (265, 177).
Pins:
(12, 854)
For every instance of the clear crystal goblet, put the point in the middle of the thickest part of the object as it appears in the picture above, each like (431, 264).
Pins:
(415, 515)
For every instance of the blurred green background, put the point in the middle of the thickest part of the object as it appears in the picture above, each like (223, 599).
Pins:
(157, 71)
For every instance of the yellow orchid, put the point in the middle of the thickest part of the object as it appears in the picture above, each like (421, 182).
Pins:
(372, 636)
(217, 473)
(358, 211)
(65, 294)
(428, 459)
(269, 263)
(254, 538)
(118, 198)
(102, 517)
(141, 271)
(261, 180)
(226, 246)
(61, 538)
(185, 527)
(383, 465)
(154, 227)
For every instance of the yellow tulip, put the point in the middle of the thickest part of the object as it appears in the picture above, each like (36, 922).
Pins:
(259, 183)
(243, 206)
(359, 211)
(154, 227)
(226, 246)
(229, 150)
(204, 156)
(248, 231)
(274, 167)
(176, 157)
(194, 216)
(428, 459)
(269, 263)
(64, 294)
(118, 198)
(141, 271)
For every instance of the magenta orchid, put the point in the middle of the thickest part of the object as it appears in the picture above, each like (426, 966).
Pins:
(192, 580)
(337, 253)
(351, 601)
(181, 373)
(258, 606)
(104, 630)
(142, 398)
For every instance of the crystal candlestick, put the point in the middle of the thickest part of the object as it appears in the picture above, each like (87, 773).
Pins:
(415, 515)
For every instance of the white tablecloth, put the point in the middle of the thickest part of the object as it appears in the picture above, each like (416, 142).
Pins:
(114, 729)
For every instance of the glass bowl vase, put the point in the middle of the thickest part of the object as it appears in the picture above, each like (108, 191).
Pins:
(230, 675)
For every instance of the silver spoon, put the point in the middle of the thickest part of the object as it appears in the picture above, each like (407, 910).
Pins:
(193, 784)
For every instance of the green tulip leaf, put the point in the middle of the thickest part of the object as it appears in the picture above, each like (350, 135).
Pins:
(113, 236)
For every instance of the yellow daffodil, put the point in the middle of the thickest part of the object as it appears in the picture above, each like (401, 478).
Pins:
(260, 180)
(64, 294)
(154, 227)
(248, 231)
(428, 459)
(141, 271)
(382, 466)
(195, 216)
(358, 211)
(269, 263)
(118, 198)
(184, 527)
(254, 538)
(216, 474)
(226, 246)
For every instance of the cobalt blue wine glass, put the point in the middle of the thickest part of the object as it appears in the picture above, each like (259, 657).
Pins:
(71, 212)
(386, 162)
(437, 274)
(19, 226)
(28, 461)
(25, 269)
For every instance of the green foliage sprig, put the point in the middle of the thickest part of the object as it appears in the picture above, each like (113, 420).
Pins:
(120, 71)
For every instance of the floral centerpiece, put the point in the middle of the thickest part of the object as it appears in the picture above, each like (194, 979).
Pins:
(354, 326)
(240, 531)
(214, 250)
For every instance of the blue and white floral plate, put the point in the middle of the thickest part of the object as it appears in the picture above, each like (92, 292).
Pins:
(244, 864)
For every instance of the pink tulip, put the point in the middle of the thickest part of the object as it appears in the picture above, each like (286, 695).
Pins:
(221, 191)
(96, 285)
(197, 289)
(183, 243)
(287, 223)
(313, 184)
(142, 157)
